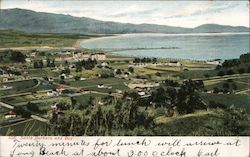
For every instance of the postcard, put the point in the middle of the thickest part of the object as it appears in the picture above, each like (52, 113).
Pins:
(124, 78)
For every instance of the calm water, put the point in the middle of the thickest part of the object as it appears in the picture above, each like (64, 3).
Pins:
(187, 46)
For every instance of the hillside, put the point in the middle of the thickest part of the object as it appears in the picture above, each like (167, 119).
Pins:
(38, 22)
(214, 28)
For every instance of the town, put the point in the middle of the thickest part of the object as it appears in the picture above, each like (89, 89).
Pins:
(42, 87)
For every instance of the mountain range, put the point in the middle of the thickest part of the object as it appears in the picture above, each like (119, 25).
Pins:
(40, 22)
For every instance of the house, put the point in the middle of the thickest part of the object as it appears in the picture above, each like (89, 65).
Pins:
(50, 79)
(28, 60)
(5, 79)
(80, 56)
(11, 114)
(5, 87)
(3, 73)
(214, 62)
(52, 93)
(100, 86)
(104, 64)
(141, 93)
(139, 86)
(98, 56)
(64, 57)
(174, 63)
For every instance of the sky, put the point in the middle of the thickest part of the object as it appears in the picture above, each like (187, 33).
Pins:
(174, 13)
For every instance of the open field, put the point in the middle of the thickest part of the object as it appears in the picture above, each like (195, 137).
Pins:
(17, 99)
(83, 99)
(195, 124)
(238, 100)
(18, 86)
(92, 84)
(43, 72)
(28, 127)
(21, 39)
(219, 84)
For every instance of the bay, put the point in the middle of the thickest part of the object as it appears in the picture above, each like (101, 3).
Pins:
(199, 46)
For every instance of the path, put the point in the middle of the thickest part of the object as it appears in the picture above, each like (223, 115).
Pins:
(6, 105)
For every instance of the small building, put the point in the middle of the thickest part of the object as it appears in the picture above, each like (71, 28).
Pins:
(28, 60)
(214, 62)
(141, 93)
(174, 63)
(98, 56)
(11, 114)
(52, 93)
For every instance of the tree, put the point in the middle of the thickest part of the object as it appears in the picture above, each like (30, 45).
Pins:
(234, 86)
(154, 60)
(106, 74)
(230, 72)
(131, 69)
(241, 70)
(33, 107)
(73, 102)
(89, 64)
(17, 56)
(206, 75)
(66, 71)
(38, 64)
(158, 74)
(77, 78)
(78, 66)
(236, 121)
(21, 111)
(118, 72)
(226, 85)
(216, 90)
(171, 83)
(50, 63)
(245, 58)
(220, 73)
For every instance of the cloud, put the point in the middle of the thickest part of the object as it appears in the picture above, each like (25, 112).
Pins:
(175, 13)
(203, 9)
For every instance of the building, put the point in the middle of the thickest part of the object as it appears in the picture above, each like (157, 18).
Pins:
(80, 56)
(98, 56)
(214, 62)
(174, 63)
(141, 85)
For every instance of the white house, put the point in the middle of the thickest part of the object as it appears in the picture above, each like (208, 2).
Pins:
(98, 56)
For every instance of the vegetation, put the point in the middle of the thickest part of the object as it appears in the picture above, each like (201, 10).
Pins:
(12, 56)
(20, 39)
(87, 97)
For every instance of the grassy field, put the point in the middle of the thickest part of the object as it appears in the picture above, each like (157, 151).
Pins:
(199, 123)
(87, 73)
(21, 39)
(238, 100)
(17, 99)
(29, 127)
(43, 72)
(83, 99)
(243, 80)
(219, 84)
(3, 110)
(92, 84)
(19, 86)
(198, 73)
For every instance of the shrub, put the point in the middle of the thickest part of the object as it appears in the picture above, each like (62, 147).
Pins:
(221, 73)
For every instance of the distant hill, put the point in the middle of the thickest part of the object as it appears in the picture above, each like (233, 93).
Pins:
(215, 28)
(39, 22)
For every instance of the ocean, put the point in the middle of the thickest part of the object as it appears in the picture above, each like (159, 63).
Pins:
(199, 46)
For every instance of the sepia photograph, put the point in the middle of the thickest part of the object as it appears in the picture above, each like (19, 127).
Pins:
(124, 68)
